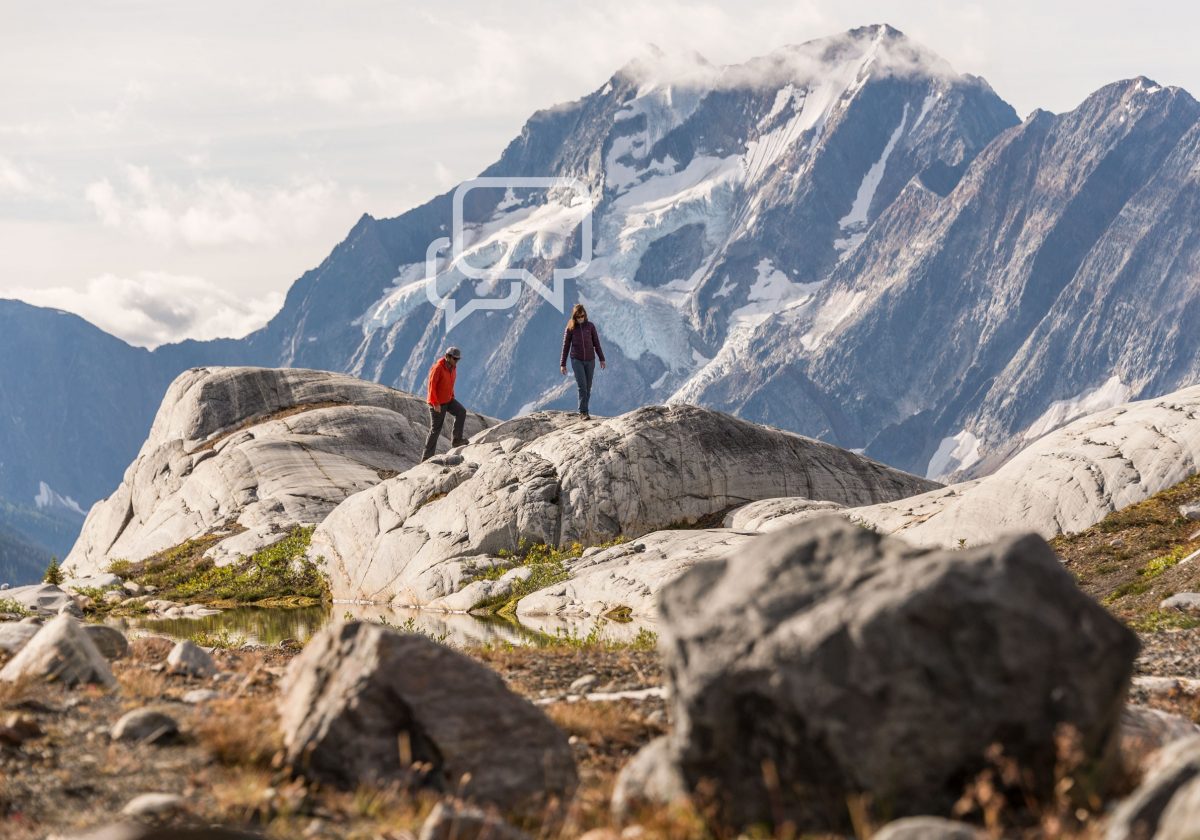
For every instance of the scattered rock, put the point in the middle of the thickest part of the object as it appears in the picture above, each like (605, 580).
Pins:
(200, 695)
(1190, 512)
(1141, 815)
(145, 726)
(358, 688)
(132, 588)
(459, 821)
(61, 651)
(108, 640)
(154, 805)
(928, 828)
(1145, 731)
(13, 636)
(114, 597)
(18, 729)
(151, 648)
(71, 609)
(854, 663)
(583, 683)
(1188, 602)
(191, 660)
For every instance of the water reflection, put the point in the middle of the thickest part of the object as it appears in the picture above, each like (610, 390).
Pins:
(269, 626)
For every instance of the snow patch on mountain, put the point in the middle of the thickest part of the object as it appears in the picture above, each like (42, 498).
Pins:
(953, 454)
(772, 292)
(838, 307)
(857, 217)
(1112, 392)
(47, 498)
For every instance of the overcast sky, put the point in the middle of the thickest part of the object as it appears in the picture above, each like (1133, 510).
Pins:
(168, 169)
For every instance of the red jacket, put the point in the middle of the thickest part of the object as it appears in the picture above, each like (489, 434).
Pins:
(582, 342)
(441, 383)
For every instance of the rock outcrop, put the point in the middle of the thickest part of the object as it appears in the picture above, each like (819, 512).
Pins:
(848, 663)
(364, 704)
(1065, 482)
(1167, 804)
(556, 480)
(251, 453)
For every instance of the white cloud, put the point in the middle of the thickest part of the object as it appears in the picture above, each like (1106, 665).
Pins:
(14, 180)
(218, 211)
(154, 308)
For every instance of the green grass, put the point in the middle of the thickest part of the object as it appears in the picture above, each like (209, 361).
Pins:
(221, 639)
(547, 564)
(1160, 620)
(1158, 565)
(279, 571)
(8, 605)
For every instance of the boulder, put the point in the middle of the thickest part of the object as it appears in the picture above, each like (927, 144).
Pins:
(649, 779)
(191, 660)
(14, 635)
(264, 449)
(481, 591)
(1142, 815)
(145, 726)
(1190, 512)
(108, 640)
(1182, 601)
(1064, 482)
(928, 828)
(60, 652)
(40, 598)
(542, 479)
(852, 663)
(1181, 818)
(98, 581)
(359, 689)
(460, 821)
(1145, 731)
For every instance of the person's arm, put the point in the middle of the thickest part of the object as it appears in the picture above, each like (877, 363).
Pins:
(599, 349)
(562, 362)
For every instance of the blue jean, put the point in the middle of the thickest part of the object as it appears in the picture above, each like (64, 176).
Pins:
(583, 378)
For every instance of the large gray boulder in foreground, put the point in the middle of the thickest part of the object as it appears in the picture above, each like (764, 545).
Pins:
(252, 452)
(366, 705)
(1167, 804)
(849, 663)
(555, 479)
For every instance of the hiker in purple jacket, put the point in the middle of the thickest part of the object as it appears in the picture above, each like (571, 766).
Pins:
(582, 342)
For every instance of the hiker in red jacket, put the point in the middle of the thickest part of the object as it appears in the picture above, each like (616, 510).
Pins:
(582, 342)
(441, 400)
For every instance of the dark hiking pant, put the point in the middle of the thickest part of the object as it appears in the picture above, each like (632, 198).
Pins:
(583, 378)
(437, 416)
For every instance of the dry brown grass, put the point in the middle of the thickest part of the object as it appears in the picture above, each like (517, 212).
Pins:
(241, 732)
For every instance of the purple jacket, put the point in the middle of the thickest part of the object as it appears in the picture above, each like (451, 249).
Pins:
(583, 343)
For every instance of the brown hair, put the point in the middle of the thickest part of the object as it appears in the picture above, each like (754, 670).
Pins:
(575, 313)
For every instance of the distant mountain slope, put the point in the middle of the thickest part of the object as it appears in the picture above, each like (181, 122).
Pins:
(1058, 277)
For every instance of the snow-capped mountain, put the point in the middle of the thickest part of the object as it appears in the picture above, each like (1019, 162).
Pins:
(721, 195)
(1055, 279)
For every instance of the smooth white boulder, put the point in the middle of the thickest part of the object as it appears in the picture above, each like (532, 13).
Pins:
(1064, 482)
(265, 449)
(60, 652)
(40, 598)
(553, 479)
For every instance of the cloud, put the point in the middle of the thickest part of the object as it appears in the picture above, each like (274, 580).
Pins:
(14, 180)
(218, 211)
(154, 308)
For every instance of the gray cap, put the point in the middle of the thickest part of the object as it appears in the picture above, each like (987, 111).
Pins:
(453, 352)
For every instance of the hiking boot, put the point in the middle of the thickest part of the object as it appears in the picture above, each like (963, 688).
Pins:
(460, 442)
(586, 416)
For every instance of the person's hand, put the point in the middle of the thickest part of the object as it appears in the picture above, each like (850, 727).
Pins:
(603, 365)
(562, 369)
